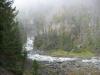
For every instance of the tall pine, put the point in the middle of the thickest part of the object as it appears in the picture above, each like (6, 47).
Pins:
(11, 56)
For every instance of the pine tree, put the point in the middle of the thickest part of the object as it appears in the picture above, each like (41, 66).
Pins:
(11, 57)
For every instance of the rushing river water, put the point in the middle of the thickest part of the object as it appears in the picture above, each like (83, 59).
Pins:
(32, 54)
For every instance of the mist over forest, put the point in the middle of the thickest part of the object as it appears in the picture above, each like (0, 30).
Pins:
(49, 37)
(76, 21)
(30, 10)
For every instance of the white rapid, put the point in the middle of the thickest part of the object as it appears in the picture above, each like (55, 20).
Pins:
(29, 44)
(49, 58)
(36, 56)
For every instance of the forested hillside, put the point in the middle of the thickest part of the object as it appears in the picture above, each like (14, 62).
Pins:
(69, 30)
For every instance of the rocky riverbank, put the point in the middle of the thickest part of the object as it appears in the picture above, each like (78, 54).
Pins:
(49, 65)
(69, 67)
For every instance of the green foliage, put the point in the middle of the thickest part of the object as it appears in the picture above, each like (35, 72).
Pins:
(35, 68)
(53, 41)
(70, 31)
(76, 53)
(11, 55)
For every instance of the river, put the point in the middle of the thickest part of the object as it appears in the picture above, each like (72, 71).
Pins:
(35, 55)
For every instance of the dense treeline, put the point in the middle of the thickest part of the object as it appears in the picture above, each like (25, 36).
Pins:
(68, 30)
(12, 55)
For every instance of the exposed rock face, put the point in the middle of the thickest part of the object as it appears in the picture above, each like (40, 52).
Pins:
(5, 72)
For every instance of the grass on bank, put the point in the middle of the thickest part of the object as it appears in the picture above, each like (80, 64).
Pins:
(74, 53)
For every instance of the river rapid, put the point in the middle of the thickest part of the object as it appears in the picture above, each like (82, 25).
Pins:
(36, 55)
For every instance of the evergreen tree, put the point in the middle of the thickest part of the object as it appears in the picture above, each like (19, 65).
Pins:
(11, 55)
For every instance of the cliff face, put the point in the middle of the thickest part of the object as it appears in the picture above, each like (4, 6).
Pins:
(5, 72)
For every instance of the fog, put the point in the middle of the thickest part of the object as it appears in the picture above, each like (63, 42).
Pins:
(30, 9)
(27, 5)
